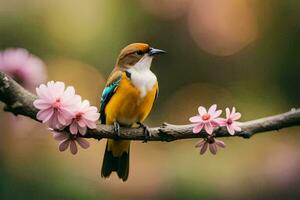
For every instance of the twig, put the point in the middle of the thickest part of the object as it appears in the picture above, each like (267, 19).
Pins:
(20, 102)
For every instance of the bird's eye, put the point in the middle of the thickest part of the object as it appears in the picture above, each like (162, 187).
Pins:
(140, 52)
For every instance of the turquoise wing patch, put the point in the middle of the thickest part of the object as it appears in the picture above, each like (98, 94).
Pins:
(107, 93)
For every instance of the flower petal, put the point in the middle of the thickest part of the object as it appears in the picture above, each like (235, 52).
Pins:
(45, 115)
(61, 119)
(212, 109)
(219, 122)
(236, 116)
(198, 128)
(200, 144)
(74, 128)
(227, 110)
(81, 123)
(54, 123)
(230, 129)
(213, 148)
(204, 148)
(208, 128)
(43, 93)
(82, 130)
(220, 143)
(50, 122)
(60, 136)
(216, 114)
(90, 124)
(73, 147)
(92, 109)
(202, 110)
(63, 145)
(233, 110)
(72, 103)
(196, 119)
(41, 104)
(235, 126)
(68, 93)
(57, 89)
(85, 105)
(66, 114)
(83, 143)
(92, 116)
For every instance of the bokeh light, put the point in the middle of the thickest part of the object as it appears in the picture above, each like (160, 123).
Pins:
(239, 53)
(166, 9)
(223, 27)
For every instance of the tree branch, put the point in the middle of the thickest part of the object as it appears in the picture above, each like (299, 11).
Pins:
(20, 102)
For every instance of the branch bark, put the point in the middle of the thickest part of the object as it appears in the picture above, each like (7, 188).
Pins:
(19, 101)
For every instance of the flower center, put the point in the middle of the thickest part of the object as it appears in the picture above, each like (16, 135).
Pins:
(78, 116)
(206, 117)
(210, 140)
(72, 137)
(229, 121)
(56, 104)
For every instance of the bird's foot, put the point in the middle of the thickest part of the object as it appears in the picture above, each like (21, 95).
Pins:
(117, 128)
(147, 133)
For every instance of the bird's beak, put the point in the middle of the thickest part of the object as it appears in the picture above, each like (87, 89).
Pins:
(154, 51)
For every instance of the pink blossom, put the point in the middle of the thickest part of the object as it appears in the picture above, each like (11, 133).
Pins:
(230, 121)
(85, 117)
(206, 119)
(57, 105)
(210, 143)
(27, 69)
(69, 140)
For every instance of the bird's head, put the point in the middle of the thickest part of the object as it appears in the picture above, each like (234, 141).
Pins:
(137, 55)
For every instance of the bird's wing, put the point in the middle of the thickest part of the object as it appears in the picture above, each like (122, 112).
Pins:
(156, 94)
(110, 89)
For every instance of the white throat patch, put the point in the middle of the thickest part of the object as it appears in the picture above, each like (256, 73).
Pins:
(141, 75)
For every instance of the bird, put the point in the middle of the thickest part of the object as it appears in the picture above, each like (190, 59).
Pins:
(126, 101)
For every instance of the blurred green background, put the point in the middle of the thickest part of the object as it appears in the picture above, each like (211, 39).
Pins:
(242, 53)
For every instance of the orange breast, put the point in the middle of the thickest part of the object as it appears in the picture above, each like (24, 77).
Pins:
(127, 106)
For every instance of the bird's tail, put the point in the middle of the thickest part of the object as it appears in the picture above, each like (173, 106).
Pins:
(116, 158)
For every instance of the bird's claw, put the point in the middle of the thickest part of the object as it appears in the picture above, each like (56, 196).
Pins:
(147, 133)
(117, 128)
